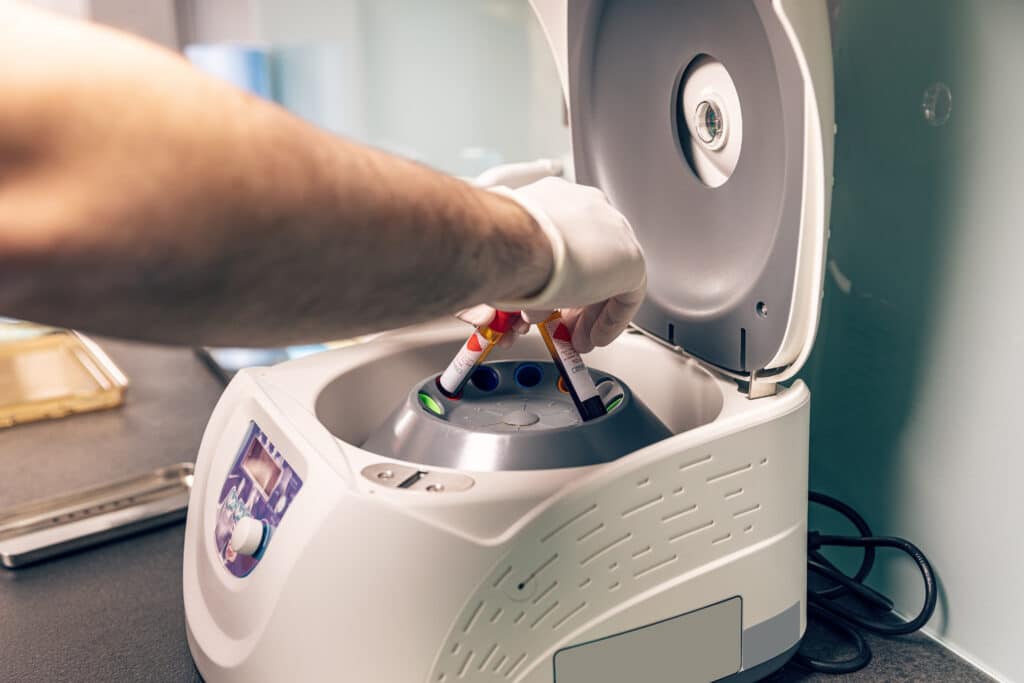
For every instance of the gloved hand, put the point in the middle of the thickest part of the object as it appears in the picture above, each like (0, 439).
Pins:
(599, 279)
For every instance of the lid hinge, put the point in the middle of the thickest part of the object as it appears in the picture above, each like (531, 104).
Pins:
(755, 387)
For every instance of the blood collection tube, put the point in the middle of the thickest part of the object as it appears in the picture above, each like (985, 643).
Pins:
(474, 352)
(575, 374)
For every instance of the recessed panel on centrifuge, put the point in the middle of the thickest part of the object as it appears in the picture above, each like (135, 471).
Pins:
(262, 485)
(515, 415)
(721, 252)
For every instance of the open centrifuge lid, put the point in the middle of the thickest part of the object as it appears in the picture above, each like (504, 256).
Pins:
(734, 271)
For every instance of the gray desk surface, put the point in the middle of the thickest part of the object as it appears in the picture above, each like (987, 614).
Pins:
(114, 613)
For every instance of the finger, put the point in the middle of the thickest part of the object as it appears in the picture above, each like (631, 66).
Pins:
(615, 315)
(513, 334)
(508, 339)
(477, 316)
(579, 321)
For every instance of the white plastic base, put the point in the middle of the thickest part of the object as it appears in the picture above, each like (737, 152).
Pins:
(366, 583)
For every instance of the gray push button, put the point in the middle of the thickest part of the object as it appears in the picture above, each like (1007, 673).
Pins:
(697, 647)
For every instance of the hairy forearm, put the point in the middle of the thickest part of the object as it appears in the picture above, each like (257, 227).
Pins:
(141, 199)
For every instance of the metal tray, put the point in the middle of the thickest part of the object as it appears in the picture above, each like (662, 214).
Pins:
(43, 529)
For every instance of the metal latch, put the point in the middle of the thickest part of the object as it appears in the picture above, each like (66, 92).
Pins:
(395, 476)
(755, 387)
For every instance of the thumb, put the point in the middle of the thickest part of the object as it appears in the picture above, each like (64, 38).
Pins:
(614, 316)
(477, 316)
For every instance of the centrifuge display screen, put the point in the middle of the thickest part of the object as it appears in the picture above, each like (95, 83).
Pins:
(260, 466)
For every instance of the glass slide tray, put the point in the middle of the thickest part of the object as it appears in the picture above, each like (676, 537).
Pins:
(49, 373)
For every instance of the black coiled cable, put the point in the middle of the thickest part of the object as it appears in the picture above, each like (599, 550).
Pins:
(822, 604)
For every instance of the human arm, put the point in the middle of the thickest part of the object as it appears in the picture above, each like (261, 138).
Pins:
(142, 199)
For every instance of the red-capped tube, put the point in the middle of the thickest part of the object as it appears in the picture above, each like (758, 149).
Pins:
(575, 375)
(453, 380)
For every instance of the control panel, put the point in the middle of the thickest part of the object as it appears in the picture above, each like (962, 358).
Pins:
(256, 494)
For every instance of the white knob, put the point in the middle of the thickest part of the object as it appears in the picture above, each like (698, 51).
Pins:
(246, 536)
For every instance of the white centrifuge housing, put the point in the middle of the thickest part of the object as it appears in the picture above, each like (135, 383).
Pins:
(308, 557)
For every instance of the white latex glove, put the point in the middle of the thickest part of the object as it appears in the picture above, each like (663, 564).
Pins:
(599, 278)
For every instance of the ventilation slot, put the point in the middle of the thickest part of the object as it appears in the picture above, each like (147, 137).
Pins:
(547, 563)
(729, 473)
(672, 516)
(573, 612)
(487, 657)
(746, 511)
(655, 567)
(544, 615)
(642, 506)
(567, 523)
(473, 616)
(604, 549)
(690, 532)
(544, 593)
(465, 664)
(515, 665)
(588, 534)
(694, 463)
(646, 550)
(502, 577)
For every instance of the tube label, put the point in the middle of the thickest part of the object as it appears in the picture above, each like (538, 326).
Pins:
(454, 376)
(575, 369)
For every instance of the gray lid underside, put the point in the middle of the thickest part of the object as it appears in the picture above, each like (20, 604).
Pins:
(713, 254)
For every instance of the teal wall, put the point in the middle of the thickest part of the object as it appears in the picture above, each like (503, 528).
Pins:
(917, 397)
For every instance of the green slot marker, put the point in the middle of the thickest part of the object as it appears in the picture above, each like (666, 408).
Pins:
(614, 404)
(428, 402)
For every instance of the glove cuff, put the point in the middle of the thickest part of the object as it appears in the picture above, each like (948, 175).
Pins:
(558, 254)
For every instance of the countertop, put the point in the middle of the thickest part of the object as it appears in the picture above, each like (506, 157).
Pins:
(114, 613)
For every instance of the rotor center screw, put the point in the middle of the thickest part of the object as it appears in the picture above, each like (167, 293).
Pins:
(708, 122)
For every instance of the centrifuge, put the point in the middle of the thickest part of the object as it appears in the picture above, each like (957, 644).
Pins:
(349, 523)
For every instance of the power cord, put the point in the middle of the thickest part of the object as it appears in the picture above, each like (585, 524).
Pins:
(823, 605)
